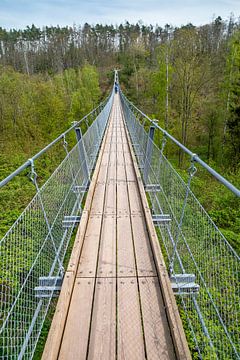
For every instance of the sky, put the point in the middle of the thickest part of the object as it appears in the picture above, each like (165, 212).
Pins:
(20, 13)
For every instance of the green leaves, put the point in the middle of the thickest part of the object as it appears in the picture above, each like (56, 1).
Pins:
(33, 111)
(233, 101)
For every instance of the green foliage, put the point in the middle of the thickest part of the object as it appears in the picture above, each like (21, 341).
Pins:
(33, 111)
(233, 87)
(222, 206)
(45, 330)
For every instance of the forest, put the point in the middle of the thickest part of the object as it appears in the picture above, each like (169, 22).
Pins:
(188, 78)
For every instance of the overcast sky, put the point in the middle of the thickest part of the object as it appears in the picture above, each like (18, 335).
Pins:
(20, 13)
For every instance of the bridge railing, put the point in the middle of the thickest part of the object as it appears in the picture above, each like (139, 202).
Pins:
(32, 252)
(203, 267)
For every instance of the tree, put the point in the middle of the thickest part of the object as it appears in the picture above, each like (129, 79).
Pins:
(160, 81)
(190, 74)
(233, 93)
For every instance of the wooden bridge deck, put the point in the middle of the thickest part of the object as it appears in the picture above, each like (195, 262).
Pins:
(116, 300)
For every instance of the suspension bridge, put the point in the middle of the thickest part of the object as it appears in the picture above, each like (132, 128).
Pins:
(118, 297)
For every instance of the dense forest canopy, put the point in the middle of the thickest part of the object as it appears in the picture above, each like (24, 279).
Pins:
(202, 65)
(186, 77)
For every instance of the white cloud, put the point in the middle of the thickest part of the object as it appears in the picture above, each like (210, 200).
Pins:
(19, 13)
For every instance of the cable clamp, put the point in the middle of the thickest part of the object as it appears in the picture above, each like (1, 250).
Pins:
(33, 174)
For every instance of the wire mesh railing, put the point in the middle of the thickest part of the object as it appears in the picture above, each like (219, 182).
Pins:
(203, 267)
(32, 251)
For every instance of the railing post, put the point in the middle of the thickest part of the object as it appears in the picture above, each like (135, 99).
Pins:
(82, 154)
(148, 156)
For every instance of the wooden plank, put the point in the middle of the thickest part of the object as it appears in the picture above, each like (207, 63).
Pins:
(112, 163)
(75, 255)
(143, 251)
(102, 341)
(54, 338)
(130, 171)
(159, 344)
(125, 251)
(120, 168)
(75, 338)
(131, 176)
(121, 175)
(107, 250)
(122, 198)
(135, 198)
(125, 255)
(129, 330)
(129, 327)
(98, 199)
(102, 344)
(175, 324)
(88, 259)
(110, 198)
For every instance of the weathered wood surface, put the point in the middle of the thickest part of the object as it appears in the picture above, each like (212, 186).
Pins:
(116, 301)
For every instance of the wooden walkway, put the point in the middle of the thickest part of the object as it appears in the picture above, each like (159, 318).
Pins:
(116, 300)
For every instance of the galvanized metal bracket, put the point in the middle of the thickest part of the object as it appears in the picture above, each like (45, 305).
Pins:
(161, 219)
(49, 286)
(80, 188)
(184, 284)
(152, 187)
(71, 220)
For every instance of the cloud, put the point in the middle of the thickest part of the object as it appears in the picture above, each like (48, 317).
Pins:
(20, 13)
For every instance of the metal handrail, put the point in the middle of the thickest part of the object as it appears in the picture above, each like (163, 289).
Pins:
(194, 156)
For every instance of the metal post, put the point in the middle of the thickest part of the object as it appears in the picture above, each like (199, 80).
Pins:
(82, 154)
(148, 154)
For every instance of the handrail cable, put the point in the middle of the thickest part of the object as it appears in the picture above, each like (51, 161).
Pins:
(28, 163)
(194, 156)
